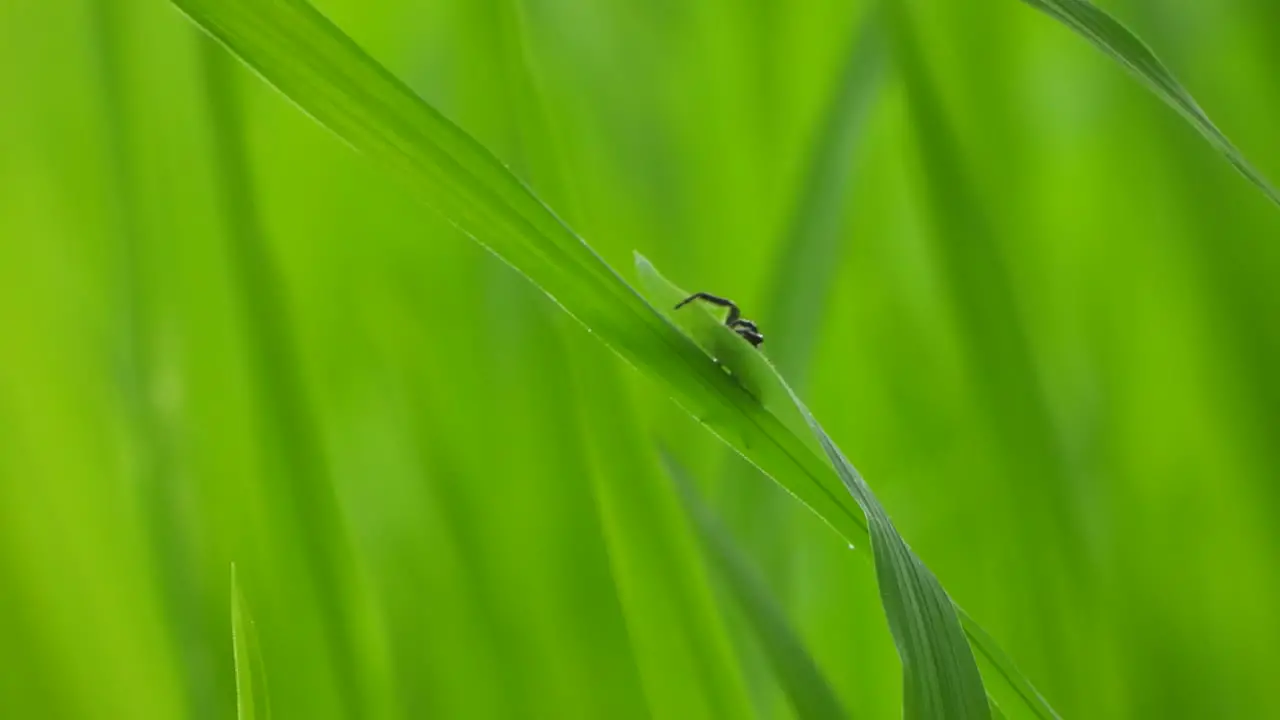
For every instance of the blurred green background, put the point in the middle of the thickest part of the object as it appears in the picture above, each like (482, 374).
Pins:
(1033, 306)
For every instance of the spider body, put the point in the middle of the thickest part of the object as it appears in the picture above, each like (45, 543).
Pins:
(734, 320)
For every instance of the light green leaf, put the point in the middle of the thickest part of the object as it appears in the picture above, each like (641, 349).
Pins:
(1111, 37)
(740, 398)
(252, 701)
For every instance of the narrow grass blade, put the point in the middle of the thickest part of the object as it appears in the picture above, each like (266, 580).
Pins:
(1113, 38)
(810, 694)
(982, 297)
(325, 73)
(1002, 665)
(667, 599)
(810, 254)
(940, 674)
(303, 490)
(252, 700)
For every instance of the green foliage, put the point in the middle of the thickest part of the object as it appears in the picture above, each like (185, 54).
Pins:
(1036, 311)
(1114, 39)
(252, 697)
(807, 690)
(940, 675)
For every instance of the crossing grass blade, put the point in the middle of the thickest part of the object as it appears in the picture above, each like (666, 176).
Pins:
(326, 74)
(1113, 38)
(810, 694)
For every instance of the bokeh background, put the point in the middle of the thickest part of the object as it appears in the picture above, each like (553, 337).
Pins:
(1033, 306)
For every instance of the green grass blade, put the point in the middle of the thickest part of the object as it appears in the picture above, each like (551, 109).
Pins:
(303, 489)
(327, 75)
(809, 692)
(667, 599)
(322, 71)
(940, 675)
(252, 700)
(1113, 38)
(809, 257)
(1003, 666)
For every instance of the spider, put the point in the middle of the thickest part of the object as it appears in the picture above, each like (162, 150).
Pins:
(734, 321)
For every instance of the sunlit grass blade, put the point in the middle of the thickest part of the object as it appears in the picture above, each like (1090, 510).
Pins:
(1113, 38)
(252, 699)
(325, 73)
(810, 694)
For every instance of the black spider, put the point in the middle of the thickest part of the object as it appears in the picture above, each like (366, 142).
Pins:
(734, 321)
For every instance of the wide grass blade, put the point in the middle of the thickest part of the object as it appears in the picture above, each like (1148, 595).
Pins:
(810, 694)
(326, 74)
(252, 700)
(1111, 37)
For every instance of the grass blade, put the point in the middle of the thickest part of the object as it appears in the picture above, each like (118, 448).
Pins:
(326, 74)
(982, 295)
(252, 700)
(303, 490)
(810, 255)
(940, 675)
(666, 596)
(810, 694)
(1113, 38)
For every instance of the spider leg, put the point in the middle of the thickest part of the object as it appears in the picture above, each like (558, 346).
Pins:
(743, 323)
(752, 336)
(734, 314)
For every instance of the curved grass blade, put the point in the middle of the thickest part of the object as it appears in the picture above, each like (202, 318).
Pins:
(1113, 38)
(940, 674)
(252, 701)
(810, 694)
(315, 65)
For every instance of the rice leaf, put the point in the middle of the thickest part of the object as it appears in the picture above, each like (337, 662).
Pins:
(252, 701)
(1113, 38)
(810, 694)
(314, 64)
